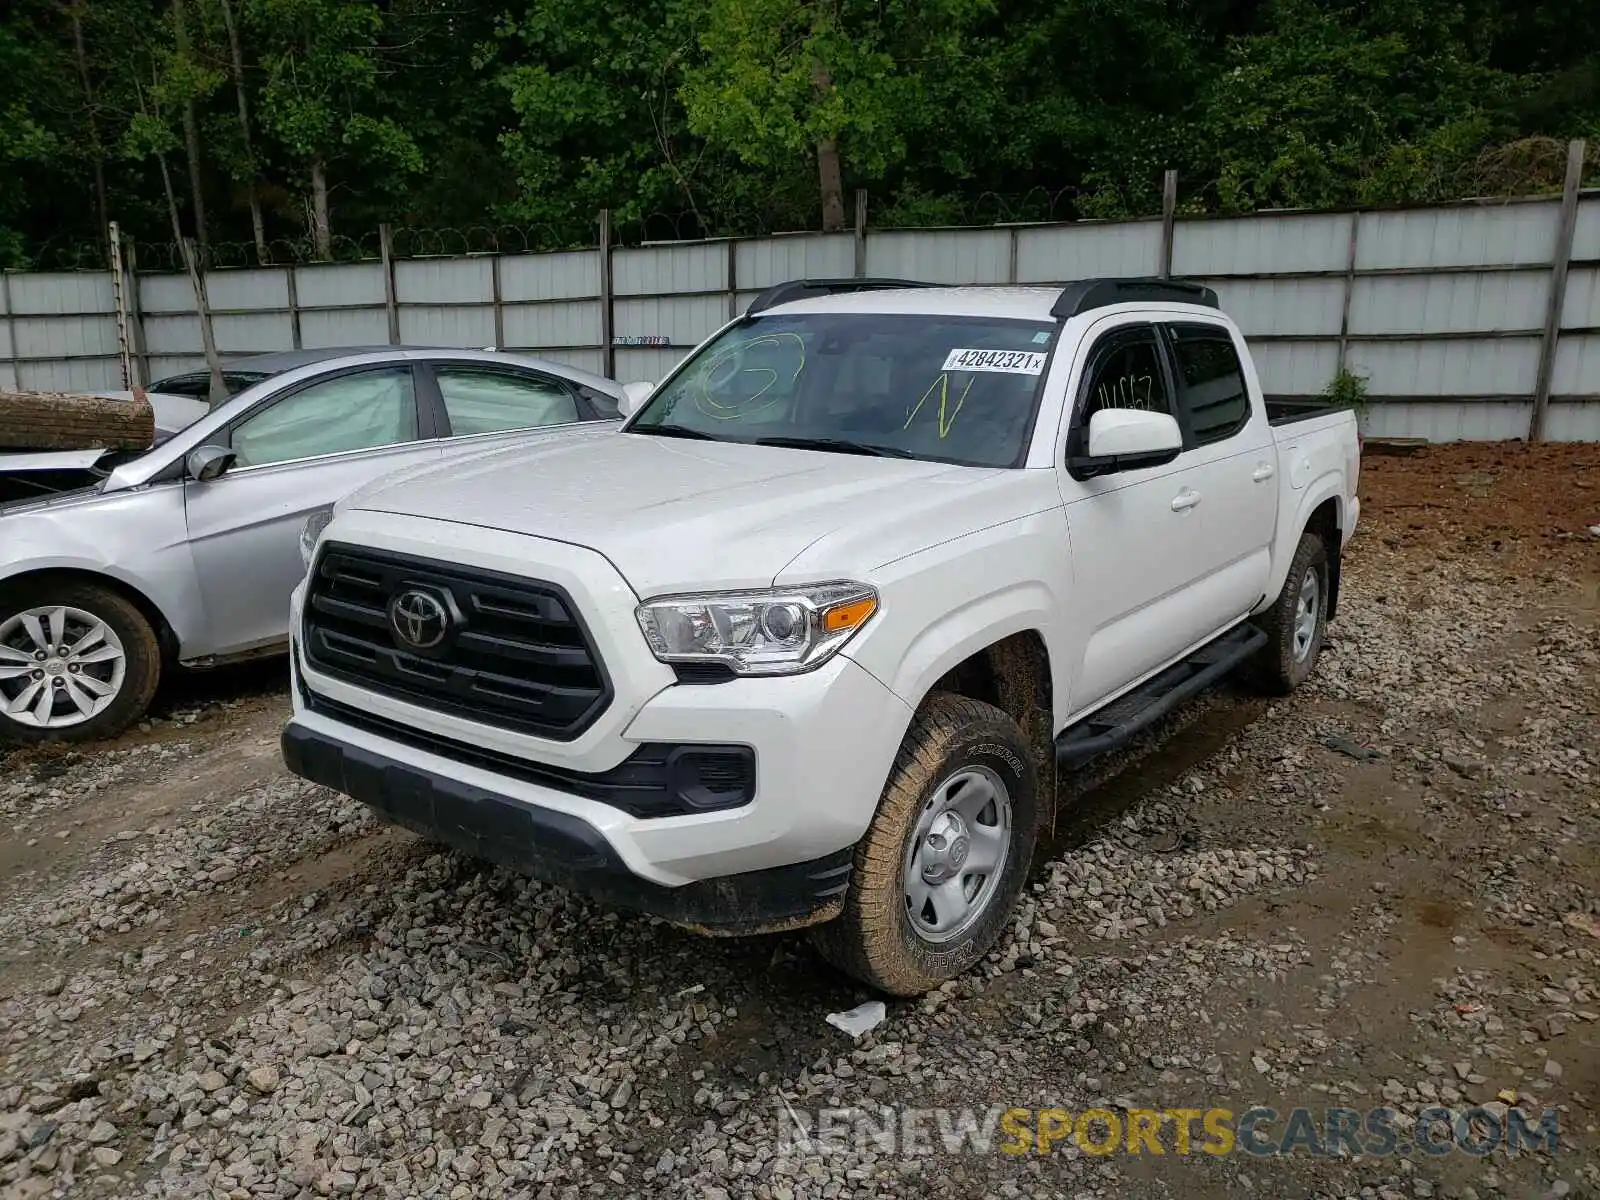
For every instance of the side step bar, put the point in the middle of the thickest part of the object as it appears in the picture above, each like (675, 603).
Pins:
(1112, 726)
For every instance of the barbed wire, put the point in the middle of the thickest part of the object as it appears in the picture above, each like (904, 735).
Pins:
(406, 241)
(1529, 167)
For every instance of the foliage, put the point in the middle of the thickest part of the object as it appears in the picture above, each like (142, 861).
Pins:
(705, 117)
(1347, 389)
(594, 92)
(23, 140)
(777, 77)
(322, 93)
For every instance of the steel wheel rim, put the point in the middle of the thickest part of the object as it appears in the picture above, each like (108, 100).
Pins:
(1308, 609)
(59, 666)
(957, 854)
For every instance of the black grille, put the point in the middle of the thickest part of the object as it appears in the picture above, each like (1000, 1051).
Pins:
(656, 780)
(515, 654)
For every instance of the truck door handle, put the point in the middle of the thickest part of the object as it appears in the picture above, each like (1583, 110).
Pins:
(1262, 473)
(1185, 499)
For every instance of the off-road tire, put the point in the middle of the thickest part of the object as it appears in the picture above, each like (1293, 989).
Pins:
(872, 939)
(141, 647)
(1275, 670)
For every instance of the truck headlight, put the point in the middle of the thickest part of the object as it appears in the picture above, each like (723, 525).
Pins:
(311, 531)
(781, 631)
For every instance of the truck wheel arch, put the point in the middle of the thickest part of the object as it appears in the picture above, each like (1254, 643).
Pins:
(1013, 674)
(1322, 512)
(1326, 521)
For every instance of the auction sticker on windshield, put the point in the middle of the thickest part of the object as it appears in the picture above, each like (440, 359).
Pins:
(1010, 362)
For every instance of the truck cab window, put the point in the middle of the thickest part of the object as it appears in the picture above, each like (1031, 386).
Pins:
(1211, 384)
(1127, 374)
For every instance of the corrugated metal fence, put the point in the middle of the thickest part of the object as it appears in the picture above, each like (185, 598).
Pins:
(1443, 309)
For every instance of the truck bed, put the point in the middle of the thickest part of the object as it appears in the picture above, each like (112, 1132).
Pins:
(1285, 410)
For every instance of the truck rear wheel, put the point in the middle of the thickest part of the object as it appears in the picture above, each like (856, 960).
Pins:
(1295, 623)
(940, 868)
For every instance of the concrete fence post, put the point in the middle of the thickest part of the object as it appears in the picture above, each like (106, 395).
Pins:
(861, 233)
(1169, 217)
(391, 306)
(1560, 257)
(607, 315)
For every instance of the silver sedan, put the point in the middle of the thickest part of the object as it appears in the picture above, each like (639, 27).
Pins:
(186, 554)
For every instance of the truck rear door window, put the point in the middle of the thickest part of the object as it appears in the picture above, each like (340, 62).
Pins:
(1211, 382)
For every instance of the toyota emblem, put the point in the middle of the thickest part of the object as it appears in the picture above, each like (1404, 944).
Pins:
(418, 618)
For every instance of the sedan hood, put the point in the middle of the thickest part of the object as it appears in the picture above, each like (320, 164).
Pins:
(675, 515)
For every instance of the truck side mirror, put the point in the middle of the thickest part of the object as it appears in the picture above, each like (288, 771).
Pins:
(633, 397)
(1126, 439)
(208, 462)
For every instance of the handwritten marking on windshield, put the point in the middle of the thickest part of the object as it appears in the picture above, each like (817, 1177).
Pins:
(947, 416)
(728, 365)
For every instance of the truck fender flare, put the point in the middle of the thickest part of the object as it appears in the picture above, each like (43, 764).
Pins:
(1317, 493)
(959, 634)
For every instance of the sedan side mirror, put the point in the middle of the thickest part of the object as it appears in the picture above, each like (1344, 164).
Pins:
(209, 462)
(1126, 439)
(633, 397)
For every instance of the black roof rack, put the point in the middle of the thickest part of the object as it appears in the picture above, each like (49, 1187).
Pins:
(1086, 294)
(802, 289)
(1079, 296)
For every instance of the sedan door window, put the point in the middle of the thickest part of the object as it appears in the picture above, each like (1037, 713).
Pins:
(477, 401)
(360, 411)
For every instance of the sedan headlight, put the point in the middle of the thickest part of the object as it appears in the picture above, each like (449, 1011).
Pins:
(782, 631)
(311, 531)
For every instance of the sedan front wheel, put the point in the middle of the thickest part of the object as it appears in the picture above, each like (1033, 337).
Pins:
(77, 661)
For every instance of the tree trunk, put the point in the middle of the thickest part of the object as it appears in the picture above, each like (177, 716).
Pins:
(191, 132)
(829, 176)
(219, 389)
(172, 198)
(321, 233)
(76, 14)
(64, 421)
(257, 226)
(832, 185)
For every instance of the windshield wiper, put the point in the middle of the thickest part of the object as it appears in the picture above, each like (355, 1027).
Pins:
(840, 445)
(677, 431)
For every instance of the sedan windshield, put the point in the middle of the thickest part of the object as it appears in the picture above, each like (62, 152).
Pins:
(949, 389)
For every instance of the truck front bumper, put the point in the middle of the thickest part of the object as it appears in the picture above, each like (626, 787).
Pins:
(818, 748)
(562, 849)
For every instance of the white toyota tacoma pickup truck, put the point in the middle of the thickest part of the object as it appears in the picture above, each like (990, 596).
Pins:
(807, 640)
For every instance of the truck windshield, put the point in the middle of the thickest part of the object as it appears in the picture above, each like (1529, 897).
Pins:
(944, 388)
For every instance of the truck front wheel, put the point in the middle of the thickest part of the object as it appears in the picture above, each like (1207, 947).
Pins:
(941, 865)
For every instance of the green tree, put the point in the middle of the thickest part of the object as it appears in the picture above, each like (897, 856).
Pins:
(1331, 106)
(324, 98)
(598, 122)
(839, 81)
(166, 83)
(24, 142)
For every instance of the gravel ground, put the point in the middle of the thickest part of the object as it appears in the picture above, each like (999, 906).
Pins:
(216, 980)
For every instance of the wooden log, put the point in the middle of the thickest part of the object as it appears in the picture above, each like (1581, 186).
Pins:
(69, 421)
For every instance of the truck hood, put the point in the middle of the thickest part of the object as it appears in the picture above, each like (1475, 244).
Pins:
(674, 515)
